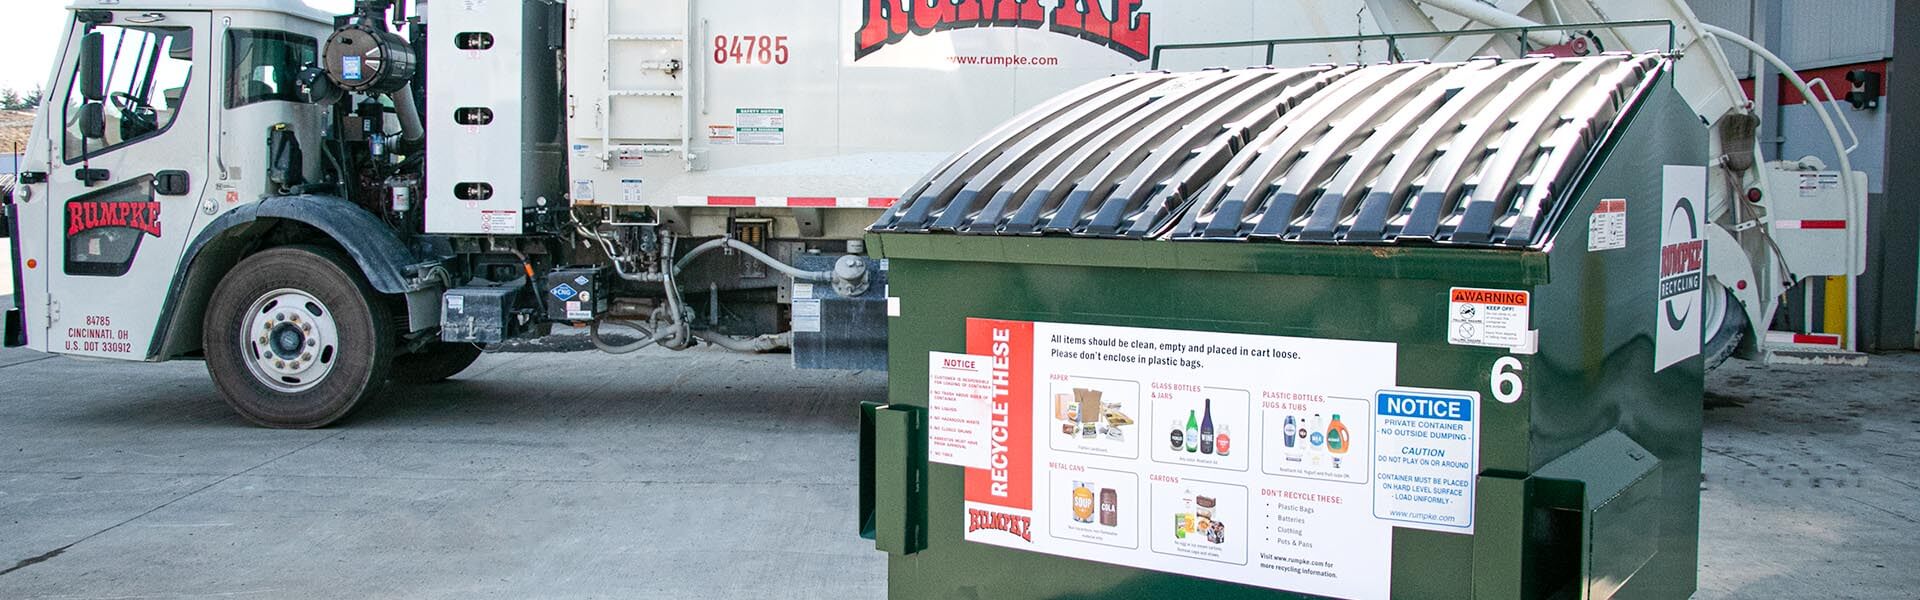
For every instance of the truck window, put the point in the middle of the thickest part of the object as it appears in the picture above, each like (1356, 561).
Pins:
(146, 69)
(262, 65)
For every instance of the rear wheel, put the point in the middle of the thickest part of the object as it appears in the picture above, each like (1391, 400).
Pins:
(1725, 325)
(434, 363)
(295, 338)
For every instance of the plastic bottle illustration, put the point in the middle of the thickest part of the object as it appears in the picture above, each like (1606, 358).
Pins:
(1337, 436)
(1318, 439)
(1193, 433)
(1287, 432)
(1206, 427)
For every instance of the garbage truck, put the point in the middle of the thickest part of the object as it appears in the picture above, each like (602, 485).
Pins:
(317, 204)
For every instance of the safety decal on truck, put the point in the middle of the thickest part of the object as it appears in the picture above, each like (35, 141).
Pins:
(1683, 261)
(760, 126)
(987, 32)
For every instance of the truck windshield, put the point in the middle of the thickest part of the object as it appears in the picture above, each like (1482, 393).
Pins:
(262, 65)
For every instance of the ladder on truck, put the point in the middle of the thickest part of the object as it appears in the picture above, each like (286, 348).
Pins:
(643, 108)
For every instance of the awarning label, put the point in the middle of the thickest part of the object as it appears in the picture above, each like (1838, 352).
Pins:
(1607, 228)
(1492, 318)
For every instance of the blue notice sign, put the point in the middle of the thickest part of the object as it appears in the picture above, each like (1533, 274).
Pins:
(1426, 458)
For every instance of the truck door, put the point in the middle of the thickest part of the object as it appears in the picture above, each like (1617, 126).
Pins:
(125, 176)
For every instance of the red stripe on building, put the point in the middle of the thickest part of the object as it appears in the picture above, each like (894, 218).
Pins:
(813, 202)
(1823, 224)
(881, 202)
(1836, 78)
(730, 201)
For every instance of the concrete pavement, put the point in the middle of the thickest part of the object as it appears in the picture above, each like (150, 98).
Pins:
(697, 475)
(711, 475)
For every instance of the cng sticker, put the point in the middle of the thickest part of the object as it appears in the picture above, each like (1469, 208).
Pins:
(1678, 309)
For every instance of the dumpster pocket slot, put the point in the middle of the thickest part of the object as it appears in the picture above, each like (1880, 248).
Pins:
(1614, 483)
(893, 477)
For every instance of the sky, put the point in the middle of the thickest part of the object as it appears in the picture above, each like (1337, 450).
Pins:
(33, 35)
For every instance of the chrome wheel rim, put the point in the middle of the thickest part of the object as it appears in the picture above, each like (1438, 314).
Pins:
(290, 340)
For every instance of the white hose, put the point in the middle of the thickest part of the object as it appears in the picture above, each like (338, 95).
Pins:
(1487, 14)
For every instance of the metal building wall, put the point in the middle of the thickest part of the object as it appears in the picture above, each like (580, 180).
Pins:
(1894, 253)
(1825, 33)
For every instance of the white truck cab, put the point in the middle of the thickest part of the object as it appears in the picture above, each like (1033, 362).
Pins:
(138, 146)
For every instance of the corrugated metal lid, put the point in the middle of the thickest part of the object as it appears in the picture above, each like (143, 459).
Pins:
(1475, 153)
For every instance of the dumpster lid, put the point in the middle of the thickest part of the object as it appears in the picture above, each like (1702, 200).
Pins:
(1481, 153)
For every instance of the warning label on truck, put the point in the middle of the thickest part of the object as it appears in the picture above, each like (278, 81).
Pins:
(760, 126)
(1492, 318)
(1263, 460)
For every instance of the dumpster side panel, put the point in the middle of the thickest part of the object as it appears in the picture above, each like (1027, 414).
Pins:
(1410, 310)
(1592, 372)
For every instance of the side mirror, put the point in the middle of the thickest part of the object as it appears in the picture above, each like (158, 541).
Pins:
(93, 120)
(93, 79)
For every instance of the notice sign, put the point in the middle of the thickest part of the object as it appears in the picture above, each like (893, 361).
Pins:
(959, 394)
(1493, 318)
(1428, 458)
(1258, 460)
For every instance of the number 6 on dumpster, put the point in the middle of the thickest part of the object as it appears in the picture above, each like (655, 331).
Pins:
(1506, 380)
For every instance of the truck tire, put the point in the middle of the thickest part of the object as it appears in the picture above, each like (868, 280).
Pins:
(434, 363)
(1724, 328)
(295, 338)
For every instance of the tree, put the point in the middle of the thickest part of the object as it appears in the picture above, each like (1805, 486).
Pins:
(12, 99)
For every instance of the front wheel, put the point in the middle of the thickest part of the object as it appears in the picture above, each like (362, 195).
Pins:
(295, 338)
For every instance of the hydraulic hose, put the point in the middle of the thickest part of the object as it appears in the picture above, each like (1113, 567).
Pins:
(749, 250)
(758, 345)
(649, 338)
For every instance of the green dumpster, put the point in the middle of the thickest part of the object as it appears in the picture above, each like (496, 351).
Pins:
(1401, 330)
